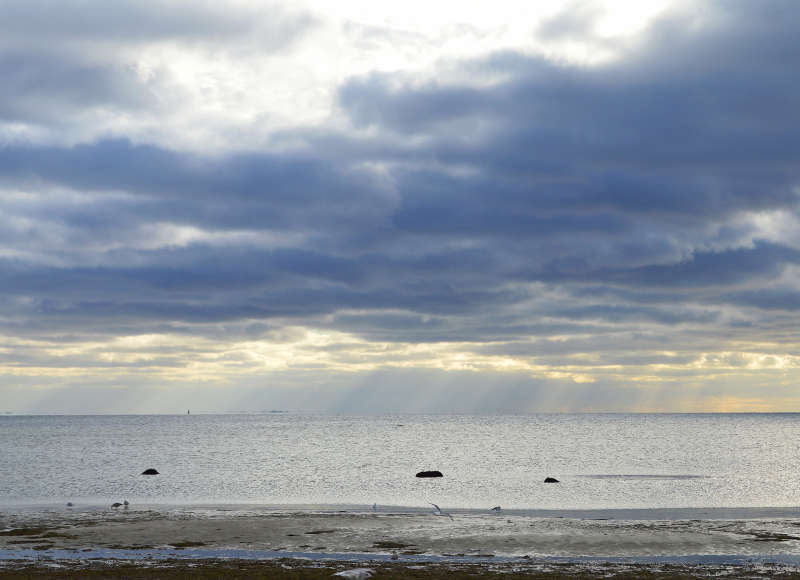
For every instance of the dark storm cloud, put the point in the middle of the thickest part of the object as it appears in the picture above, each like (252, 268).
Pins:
(253, 191)
(559, 199)
(121, 165)
(696, 123)
(708, 269)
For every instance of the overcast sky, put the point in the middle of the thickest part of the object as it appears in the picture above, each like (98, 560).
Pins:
(361, 206)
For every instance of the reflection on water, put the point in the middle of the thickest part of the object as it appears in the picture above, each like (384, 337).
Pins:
(602, 461)
(642, 476)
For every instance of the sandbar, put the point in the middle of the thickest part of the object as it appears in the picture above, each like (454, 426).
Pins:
(163, 541)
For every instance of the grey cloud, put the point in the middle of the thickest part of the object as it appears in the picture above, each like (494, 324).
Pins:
(680, 128)
(147, 20)
(246, 191)
(762, 262)
(43, 88)
(573, 21)
(625, 313)
(60, 61)
(560, 201)
(767, 298)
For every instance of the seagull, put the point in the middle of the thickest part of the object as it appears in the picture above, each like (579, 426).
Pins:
(438, 511)
(116, 504)
(495, 509)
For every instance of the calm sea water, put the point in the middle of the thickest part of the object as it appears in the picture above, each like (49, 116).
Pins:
(602, 461)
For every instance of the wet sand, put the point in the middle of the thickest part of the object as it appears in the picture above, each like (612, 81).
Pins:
(295, 570)
(163, 542)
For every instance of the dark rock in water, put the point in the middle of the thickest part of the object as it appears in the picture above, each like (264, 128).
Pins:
(150, 471)
(429, 474)
(550, 480)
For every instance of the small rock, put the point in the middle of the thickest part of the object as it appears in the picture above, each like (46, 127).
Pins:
(550, 480)
(429, 474)
(150, 471)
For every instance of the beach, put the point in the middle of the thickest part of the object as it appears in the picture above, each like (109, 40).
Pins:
(159, 540)
(307, 496)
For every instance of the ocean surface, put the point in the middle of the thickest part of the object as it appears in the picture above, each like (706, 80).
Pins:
(603, 461)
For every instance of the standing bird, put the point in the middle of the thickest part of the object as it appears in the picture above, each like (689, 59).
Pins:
(438, 511)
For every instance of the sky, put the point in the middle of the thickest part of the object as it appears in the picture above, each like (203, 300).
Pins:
(372, 207)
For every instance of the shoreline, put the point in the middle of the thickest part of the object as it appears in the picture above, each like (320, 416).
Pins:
(287, 569)
(293, 569)
(102, 505)
(179, 537)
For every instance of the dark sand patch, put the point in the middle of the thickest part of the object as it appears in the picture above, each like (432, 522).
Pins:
(390, 545)
(187, 544)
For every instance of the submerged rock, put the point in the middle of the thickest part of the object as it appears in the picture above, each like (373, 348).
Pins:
(550, 480)
(429, 474)
(150, 471)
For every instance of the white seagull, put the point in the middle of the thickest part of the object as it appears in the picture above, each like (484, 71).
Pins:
(438, 511)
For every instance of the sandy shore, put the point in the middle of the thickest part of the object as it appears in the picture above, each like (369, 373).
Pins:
(317, 544)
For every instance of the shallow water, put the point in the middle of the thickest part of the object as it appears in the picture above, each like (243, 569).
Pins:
(602, 461)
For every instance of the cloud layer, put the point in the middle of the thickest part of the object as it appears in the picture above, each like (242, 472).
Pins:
(546, 234)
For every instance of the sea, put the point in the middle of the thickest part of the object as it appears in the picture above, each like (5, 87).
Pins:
(601, 461)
